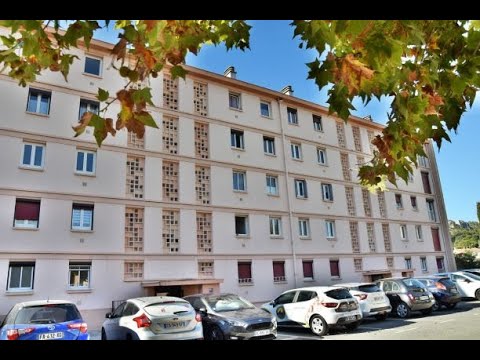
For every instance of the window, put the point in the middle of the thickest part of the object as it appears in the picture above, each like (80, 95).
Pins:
(330, 229)
(79, 275)
(305, 296)
(440, 264)
(82, 217)
(301, 189)
(327, 192)
(286, 298)
(85, 162)
(236, 139)
(265, 108)
(88, 106)
(334, 268)
(423, 261)
(418, 231)
(245, 272)
(423, 161)
(20, 276)
(307, 269)
(296, 151)
(292, 116)
(431, 210)
(408, 263)
(39, 101)
(413, 200)
(426, 183)
(317, 123)
(304, 228)
(239, 181)
(437, 246)
(241, 225)
(322, 156)
(279, 271)
(33, 155)
(403, 232)
(269, 145)
(92, 66)
(272, 187)
(205, 269)
(133, 270)
(275, 226)
(235, 101)
(27, 213)
(398, 201)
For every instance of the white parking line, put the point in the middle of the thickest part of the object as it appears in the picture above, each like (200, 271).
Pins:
(444, 321)
(400, 331)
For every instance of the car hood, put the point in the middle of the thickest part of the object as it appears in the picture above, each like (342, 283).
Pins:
(246, 315)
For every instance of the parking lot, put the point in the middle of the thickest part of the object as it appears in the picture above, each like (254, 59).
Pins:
(460, 323)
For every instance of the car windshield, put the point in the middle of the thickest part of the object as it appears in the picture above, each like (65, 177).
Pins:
(413, 283)
(339, 294)
(47, 314)
(223, 303)
(472, 276)
(370, 288)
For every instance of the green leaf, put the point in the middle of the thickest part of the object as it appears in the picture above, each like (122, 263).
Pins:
(178, 71)
(143, 95)
(146, 119)
(102, 95)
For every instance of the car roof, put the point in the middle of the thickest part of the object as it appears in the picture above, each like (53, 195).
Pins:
(43, 302)
(354, 284)
(208, 295)
(395, 278)
(148, 300)
(314, 288)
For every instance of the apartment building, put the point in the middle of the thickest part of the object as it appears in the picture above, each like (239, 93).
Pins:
(241, 189)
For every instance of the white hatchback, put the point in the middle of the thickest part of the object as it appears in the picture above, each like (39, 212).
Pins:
(317, 308)
(371, 298)
(153, 318)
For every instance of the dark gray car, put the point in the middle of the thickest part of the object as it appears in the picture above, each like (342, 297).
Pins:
(228, 316)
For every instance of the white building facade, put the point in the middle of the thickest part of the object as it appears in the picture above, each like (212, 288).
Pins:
(241, 189)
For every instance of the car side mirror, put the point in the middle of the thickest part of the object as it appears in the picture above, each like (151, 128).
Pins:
(272, 303)
(202, 310)
(109, 315)
(467, 280)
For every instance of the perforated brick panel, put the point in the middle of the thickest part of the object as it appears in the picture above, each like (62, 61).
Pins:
(354, 236)
(205, 269)
(170, 181)
(201, 140)
(171, 230)
(386, 237)
(133, 270)
(357, 141)
(133, 229)
(341, 135)
(134, 141)
(358, 264)
(200, 98)
(202, 184)
(204, 232)
(345, 166)
(135, 177)
(382, 206)
(170, 134)
(371, 237)
(170, 92)
(350, 201)
(366, 203)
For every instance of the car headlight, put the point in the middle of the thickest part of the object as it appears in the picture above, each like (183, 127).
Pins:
(236, 322)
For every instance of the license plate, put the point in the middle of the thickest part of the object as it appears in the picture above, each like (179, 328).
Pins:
(261, 332)
(175, 325)
(351, 318)
(50, 336)
(378, 298)
(425, 297)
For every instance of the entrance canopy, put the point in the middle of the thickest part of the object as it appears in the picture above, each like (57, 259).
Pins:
(180, 282)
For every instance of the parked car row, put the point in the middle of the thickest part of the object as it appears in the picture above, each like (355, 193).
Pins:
(229, 316)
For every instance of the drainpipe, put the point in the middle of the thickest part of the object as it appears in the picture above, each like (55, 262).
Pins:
(289, 196)
(442, 213)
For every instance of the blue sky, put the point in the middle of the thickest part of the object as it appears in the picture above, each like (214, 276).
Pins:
(275, 60)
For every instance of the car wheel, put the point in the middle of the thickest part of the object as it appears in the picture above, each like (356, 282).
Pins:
(402, 310)
(381, 317)
(352, 326)
(318, 325)
(104, 334)
(436, 306)
(427, 311)
(450, 306)
(477, 294)
(215, 333)
(129, 337)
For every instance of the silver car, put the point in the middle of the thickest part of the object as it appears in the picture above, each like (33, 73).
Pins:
(153, 318)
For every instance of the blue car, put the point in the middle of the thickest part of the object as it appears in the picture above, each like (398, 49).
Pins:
(44, 320)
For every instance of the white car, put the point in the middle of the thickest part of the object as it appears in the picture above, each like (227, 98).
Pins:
(317, 308)
(372, 300)
(468, 284)
(153, 318)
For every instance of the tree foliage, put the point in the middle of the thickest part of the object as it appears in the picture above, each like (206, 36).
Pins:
(478, 211)
(429, 68)
(466, 235)
(466, 260)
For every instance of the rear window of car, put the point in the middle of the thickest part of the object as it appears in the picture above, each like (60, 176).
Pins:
(339, 294)
(447, 282)
(371, 288)
(413, 283)
(48, 314)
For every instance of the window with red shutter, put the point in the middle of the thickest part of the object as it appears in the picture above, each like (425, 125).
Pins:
(244, 272)
(278, 271)
(334, 269)
(308, 269)
(27, 213)
(436, 240)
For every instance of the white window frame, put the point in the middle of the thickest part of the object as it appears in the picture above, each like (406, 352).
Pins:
(10, 266)
(424, 264)
(301, 191)
(408, 263)
(233, 95)
(322, 156)
(304, 228)
(423, 161)
(269, 187)
(89, 104)
(100, 68)
(418, 232)
(296, 151)
(39, 102)
(275, 224)
(269, 145)
(26, 224)
(403, 232)
(330, 229)
(247, 228)
(84, 170)
(315, 124)
(262, 102)
(83, 214)
(32, 165)
(414, 208)
(239, 174)
(327, 192)
(241, 139)
(432, 214)
(79, 267)
(399, 204)
(292, 116)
